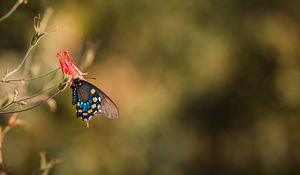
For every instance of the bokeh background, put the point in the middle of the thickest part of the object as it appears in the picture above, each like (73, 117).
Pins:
(203, 87)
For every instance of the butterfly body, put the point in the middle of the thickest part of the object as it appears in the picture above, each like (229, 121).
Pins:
(89, 100)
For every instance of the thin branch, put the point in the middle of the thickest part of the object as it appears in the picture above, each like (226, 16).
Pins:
(13, 121)
(46, 166)
(5, 130)
(11, 11)
(32, 107)
(20, 65)
(6, 106)
(30, 97)
(30, 79)
(39, 26)
(35, 95)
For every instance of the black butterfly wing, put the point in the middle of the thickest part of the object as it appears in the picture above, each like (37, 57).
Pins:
(83, 92)
(108, 108)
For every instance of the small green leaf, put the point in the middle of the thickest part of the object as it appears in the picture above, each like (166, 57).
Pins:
(35, 38)
(64, 84)
(6, 102)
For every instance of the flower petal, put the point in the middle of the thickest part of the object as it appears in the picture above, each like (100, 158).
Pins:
(61, 62)
(67, 66)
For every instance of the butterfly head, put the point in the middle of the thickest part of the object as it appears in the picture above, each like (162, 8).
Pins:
(76, 83)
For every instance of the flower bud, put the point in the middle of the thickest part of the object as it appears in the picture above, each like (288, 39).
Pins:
(36, 35)
(15, 95)
(14, 121)
(64, 84)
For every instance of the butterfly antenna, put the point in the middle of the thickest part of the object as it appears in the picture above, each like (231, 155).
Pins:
(93, 78)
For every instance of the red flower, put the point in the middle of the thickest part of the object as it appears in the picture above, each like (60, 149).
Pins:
(67, 66)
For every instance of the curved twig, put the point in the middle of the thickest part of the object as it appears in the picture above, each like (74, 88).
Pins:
(38, 94)
(11, 11)
(20, 65)
(30, 79)
(32, 107)
(29, 97)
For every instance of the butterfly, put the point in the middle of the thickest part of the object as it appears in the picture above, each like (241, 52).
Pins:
(89, 100)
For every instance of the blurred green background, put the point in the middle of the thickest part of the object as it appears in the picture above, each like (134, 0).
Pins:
(203, 87)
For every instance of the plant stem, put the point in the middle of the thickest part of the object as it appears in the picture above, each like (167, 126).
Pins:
(32, 107)
(29, 97)
(30, 79)
(11, 11)
(20, 65)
